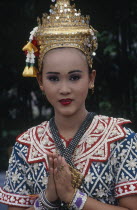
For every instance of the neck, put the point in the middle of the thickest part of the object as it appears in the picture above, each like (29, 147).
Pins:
(68, 125)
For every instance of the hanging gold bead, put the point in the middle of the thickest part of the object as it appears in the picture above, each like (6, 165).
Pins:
(30, 71)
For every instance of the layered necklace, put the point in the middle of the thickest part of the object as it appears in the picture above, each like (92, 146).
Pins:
(68, 152)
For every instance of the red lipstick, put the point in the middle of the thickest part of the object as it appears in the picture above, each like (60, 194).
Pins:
(66, 101)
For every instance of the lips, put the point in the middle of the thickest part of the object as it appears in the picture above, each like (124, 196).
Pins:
(66, 101)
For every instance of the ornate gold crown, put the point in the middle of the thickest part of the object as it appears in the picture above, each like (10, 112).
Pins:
(63, 27)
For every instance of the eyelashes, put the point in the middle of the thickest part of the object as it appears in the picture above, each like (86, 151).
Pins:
(57, 78)
(74, 77)
(53, 78)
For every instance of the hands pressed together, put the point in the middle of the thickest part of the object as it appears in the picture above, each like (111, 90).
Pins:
(59, 181)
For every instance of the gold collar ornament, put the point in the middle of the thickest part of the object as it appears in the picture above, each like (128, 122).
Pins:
(63, 27)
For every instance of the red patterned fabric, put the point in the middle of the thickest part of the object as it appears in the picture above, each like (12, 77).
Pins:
(106, 156)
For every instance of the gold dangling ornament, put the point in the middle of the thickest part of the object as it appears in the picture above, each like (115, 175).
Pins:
(92, 89)
(30, 71)
(30, 50)
(26, 70)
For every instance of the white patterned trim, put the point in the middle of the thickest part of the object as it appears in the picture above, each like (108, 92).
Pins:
(16, 200)
(126, 188)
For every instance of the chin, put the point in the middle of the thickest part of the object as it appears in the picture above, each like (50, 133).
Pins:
(68, 112)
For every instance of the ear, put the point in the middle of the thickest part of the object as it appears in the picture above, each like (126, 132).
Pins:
(92, 77)
(39, 80)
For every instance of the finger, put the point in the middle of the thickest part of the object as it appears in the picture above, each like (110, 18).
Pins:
(60, 165)
(49, 156)
(66, 166)
(51, 162)
(58, 162)
(64, 162)
(55, 165)
(56, 175)
(50, 168)
(55, 160)
(55, 155)
(51, 172)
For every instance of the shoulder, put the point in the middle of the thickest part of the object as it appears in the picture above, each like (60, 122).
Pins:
(36, 143)
(108, 132)
(114, 125)
(108, 119)
(33, 132)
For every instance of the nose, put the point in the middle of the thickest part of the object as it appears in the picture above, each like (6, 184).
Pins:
(64, 88)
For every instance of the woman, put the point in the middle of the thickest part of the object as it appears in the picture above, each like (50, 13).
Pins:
(77, 160)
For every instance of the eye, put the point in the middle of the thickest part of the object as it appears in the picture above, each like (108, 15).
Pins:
(74, 77)
(53, 78)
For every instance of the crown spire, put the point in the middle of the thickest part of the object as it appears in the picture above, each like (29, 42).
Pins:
(63, 1)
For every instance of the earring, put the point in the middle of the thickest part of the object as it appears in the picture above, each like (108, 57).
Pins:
(92, 89)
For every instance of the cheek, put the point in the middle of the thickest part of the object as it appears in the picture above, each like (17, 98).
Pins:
(49, 91)
(84, 85)
(46, 85)
(82, 92)
(50, 96)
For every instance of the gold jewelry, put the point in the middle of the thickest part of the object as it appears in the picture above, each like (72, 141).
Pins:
(61, 168)
(92, 89)
(69, 205)
(76, 177)
(63, 27)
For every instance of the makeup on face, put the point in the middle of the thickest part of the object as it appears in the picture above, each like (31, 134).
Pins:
(66, 101)
(72, 75)
(65, 80)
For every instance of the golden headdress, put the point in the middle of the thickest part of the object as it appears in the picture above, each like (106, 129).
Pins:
(63, 27)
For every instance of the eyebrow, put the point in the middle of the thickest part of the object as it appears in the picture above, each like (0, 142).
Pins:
(52, 72)
(70, 72)
(74, 71)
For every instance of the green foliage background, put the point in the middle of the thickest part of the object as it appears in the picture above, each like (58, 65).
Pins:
(22, 104)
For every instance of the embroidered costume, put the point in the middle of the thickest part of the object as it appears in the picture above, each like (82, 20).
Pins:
(106, 155)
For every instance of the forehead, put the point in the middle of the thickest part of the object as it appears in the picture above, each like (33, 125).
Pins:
(66, 58)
